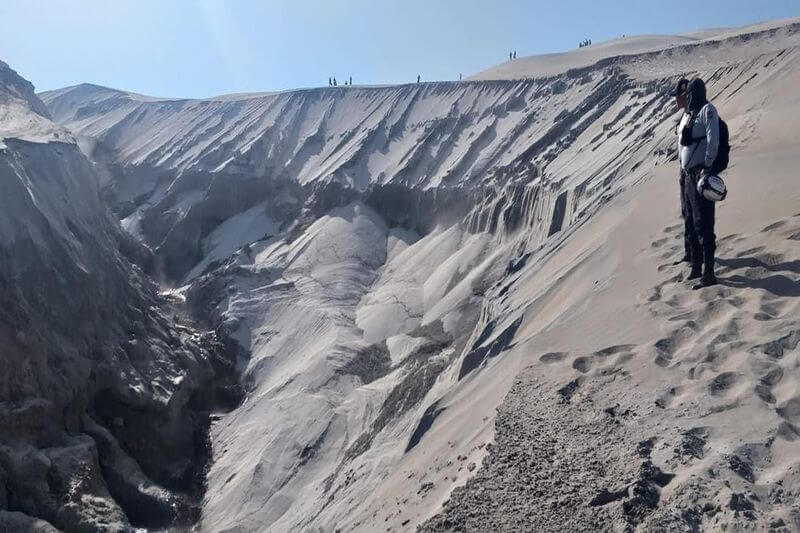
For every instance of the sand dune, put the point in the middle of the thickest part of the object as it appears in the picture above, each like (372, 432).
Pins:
(690, 49)
(655, 407)
(454, 304)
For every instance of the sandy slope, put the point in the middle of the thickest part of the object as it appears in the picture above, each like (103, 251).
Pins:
(655, 407)
(628, 51)
(430, 242)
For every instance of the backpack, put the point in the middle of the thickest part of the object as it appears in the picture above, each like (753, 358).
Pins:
(724, 150)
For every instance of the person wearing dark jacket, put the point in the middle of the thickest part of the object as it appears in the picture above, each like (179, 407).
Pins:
(679, 92)
(699, 145)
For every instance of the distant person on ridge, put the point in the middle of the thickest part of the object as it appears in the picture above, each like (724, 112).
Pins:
(330, 82)
(418, 78)
(334, 82)
(510, 56)
(515, 54)
(351, 80)
(699, 144)
(679, 93)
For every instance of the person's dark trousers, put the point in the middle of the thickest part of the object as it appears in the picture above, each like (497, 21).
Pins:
(700, 227)
(687, 248)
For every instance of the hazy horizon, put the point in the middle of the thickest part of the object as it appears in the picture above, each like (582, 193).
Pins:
(202, 48)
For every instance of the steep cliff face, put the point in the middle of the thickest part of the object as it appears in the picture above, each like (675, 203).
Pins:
(369, 252)
(99, 406)
(181, 168)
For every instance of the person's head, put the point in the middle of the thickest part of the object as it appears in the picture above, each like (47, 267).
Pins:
(696, 95)
(680, 93)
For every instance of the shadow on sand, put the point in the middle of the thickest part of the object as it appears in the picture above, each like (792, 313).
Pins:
(779, 284)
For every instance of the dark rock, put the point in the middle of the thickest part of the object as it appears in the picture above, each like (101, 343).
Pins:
(14, 521)
(645, 447)
(743, 467)
(693, 443)
(568, 390)
(740, 502)
(649, 472)
(605, 497)
(644, 499)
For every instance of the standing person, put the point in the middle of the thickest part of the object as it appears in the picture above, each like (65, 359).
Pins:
(351, 80)
(330, 82)
(418, 78)
(679, 93)
(515, 54)
(510, 56)
(334, 81)
(459, 76)
(699, 145)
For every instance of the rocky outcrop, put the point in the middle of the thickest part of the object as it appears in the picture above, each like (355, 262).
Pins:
(104, 397)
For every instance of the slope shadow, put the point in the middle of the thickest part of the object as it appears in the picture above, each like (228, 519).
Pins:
(778, 285)
(752, 262)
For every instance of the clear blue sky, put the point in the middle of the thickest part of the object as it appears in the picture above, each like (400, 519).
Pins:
(210, 47)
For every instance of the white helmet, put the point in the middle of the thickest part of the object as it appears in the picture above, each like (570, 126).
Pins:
(712, 188)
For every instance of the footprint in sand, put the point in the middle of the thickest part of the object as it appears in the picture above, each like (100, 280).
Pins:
(722, 383)
(729, 335)
(582, 364)
(659, 243)
(553, 357)
(790, 410)
(770, 259)
(768, 380)
(772, 307)
(616, 349)
(774, 226)
(698, 371)
(749, 252)
(668, 346)
(665, 349)
(728, 238)
(689, 315)
(666, 399)
(777, 348)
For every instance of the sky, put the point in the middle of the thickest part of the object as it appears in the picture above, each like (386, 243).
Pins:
(200, 48)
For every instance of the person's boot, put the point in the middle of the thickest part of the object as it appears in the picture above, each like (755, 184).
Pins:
(696, 271)
(684, 259)
(708, 278)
